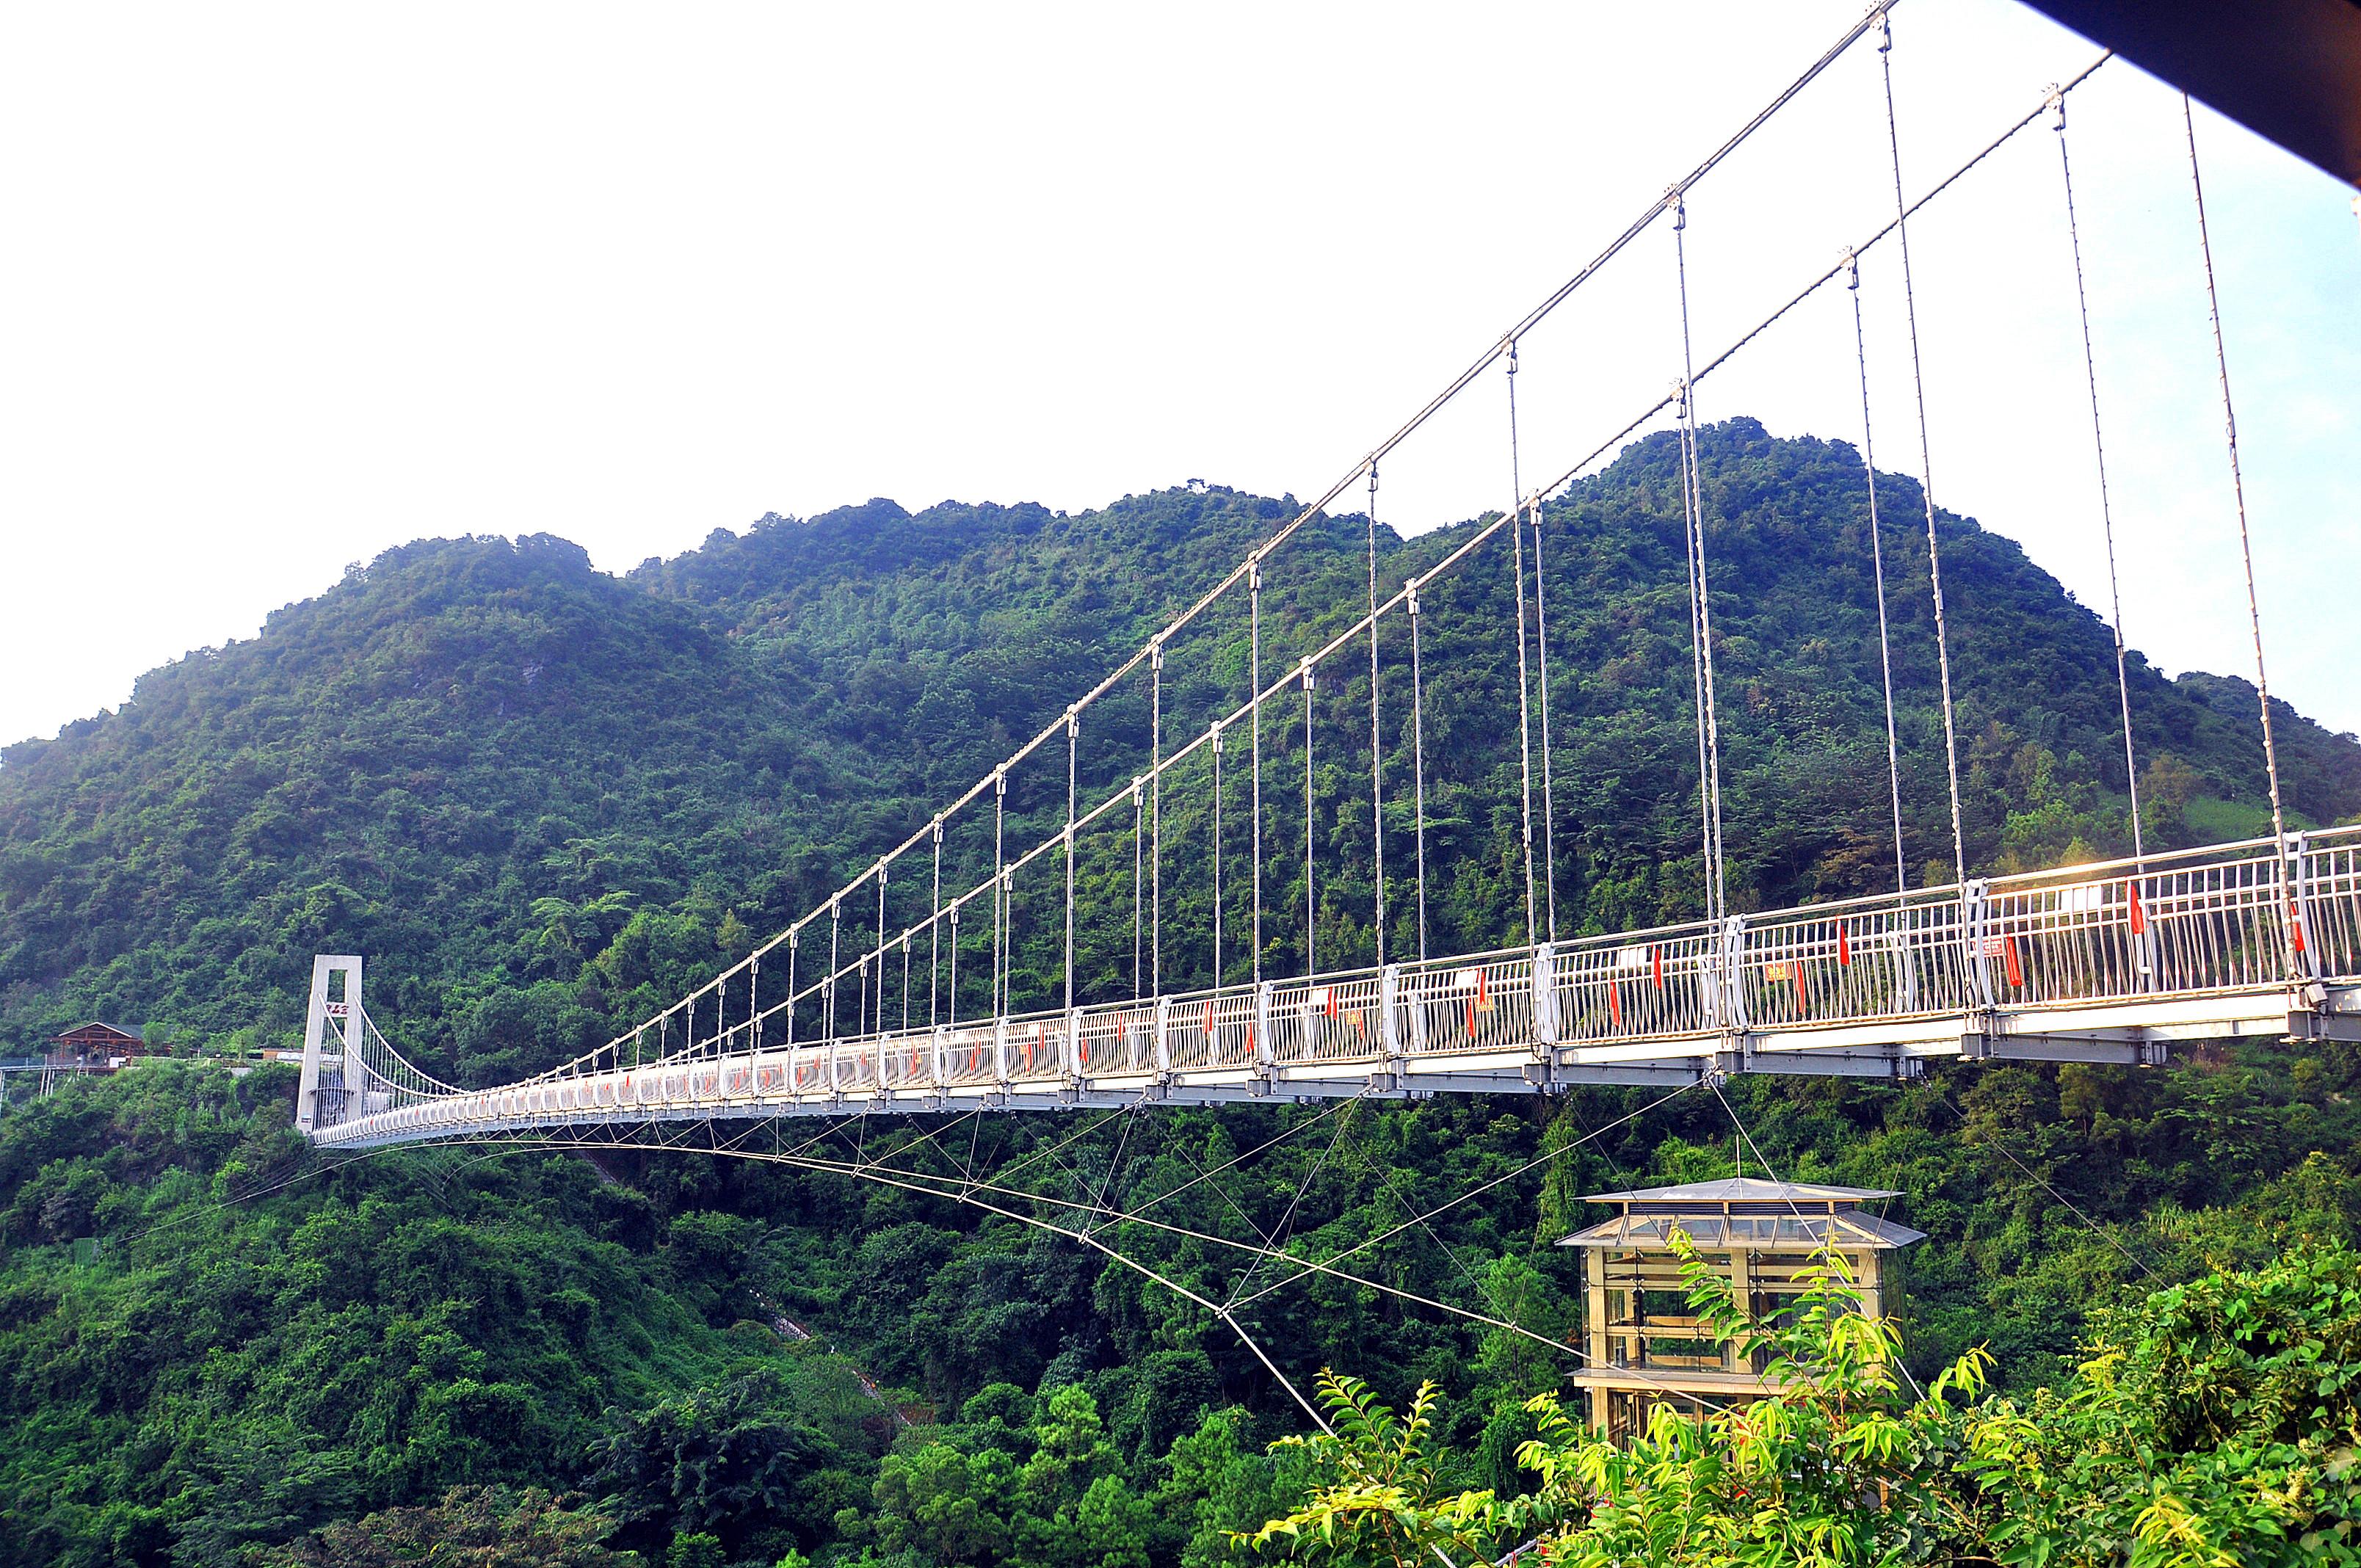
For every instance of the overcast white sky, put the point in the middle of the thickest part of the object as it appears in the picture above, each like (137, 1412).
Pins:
(287, 285)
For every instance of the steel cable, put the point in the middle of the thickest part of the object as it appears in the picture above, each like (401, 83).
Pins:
(1377, 734)
(2246, 546)
(1877, 571)
(1701, 600)
(2099, 451)
(1926, 456)
(1524, 699)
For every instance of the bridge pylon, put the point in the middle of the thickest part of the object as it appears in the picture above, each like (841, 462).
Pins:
(320, 1098)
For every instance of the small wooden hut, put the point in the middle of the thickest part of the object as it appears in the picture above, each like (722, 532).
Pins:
(1644, 1345)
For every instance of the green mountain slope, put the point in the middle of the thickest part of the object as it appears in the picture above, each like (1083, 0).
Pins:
(491, 768)
(543, 800)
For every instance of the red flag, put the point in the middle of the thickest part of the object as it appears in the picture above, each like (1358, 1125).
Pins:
(1656, 963)
(2140, 917)
(1803, 1002)
(1615, 1002)
(1332, 1002)
(2295, 925)
(2008, 954)
(1209, 1015)
(1844, 946)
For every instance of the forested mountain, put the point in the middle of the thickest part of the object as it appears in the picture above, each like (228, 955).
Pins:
(543, 800)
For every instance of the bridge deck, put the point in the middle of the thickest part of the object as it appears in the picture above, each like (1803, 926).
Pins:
(2098, 964)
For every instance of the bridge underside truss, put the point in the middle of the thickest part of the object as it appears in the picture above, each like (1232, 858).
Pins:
(2104, 964)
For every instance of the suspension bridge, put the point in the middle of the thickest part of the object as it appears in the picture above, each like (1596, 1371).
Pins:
(862, 1006)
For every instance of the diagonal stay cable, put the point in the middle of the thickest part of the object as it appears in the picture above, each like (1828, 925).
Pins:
(890, 1176)
(1220, 1190)
(909, 1181)
(1114, 1162)
(1276, 1238)
(2087, 1223)
(1312, 1266)
(1222, 1312)
(1540, 1160)
(1401, 1201)
(1229, 1314)
(1240, 1158)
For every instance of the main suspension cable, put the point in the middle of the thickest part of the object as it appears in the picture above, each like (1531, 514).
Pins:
(1456, 557)
(1852, 34)
(2099, 450)
(1926, 456)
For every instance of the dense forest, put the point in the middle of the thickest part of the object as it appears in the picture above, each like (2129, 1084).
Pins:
(543, 800)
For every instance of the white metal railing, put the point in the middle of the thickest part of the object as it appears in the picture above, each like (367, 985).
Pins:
(2228, 918)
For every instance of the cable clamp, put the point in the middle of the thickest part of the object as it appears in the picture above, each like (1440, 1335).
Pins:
(2056, 101)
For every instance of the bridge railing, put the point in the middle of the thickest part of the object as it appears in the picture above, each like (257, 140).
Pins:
(2232, 917)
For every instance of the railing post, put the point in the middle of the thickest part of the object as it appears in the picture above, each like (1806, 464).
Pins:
(1545, 995)
(1000, 1049)
(1264, 1056)
(1073, 1046)
(1417, 1009)
(1389, 1009)
(1734, 1018)
(1163, 1035)
(1975, 929)
(942, 1038)
(2302, 934)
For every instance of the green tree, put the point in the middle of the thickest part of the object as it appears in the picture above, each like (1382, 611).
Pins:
(469, 1526)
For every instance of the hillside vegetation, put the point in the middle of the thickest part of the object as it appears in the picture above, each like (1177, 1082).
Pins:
(544, 800)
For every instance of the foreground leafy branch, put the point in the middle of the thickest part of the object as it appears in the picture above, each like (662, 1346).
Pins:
(2215, 1426)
